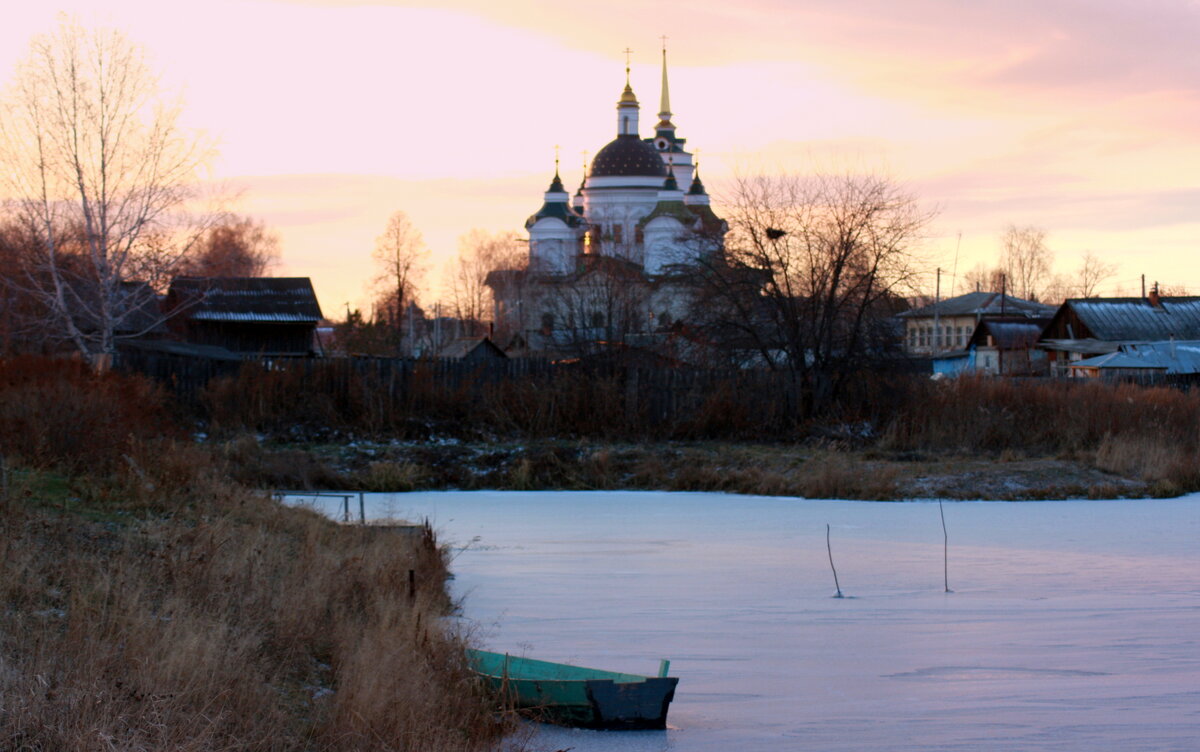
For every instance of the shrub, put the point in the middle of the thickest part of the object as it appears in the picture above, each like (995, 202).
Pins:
(58, 413)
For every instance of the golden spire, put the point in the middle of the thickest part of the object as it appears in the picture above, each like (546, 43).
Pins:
(627, 96)
(664, 106)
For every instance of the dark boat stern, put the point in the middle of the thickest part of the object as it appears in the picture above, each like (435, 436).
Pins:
(632, 706)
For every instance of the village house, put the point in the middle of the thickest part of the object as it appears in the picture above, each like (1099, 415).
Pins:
(1084, 328)
(998, 347)
(948, 325)
(1141, 361)
(272, 316)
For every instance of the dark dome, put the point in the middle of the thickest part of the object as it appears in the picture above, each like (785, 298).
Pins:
(628, 155)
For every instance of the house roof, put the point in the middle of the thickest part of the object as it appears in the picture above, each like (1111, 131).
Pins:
(1008, 334)
(1086, 346)
(464, 346)
(182, 348)
(1170, 357)
(1116, 360)
(1136, 319)
(982, 304)
(246, 299)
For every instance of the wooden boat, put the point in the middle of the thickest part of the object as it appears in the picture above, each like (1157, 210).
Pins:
(577, 696)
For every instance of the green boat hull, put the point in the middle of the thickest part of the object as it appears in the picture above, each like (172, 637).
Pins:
(575, 695)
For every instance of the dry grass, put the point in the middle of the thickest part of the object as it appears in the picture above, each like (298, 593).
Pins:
(226, 622)
(148, 603)
(1152, 434)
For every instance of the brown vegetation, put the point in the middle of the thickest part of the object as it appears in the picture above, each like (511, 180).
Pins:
(148, 603)
(1128, 438)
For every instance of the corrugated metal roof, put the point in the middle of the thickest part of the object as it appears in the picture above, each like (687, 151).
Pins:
(1089, 345)
(1008, 335)
(982, 304)
(1136, 319)
(282, 318)
(1117, 360)
(245, 299)
(1171, 357)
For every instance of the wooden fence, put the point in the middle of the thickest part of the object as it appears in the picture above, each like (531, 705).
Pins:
(532, 395)
(384, 390)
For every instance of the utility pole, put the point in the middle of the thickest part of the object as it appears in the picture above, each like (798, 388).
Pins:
(937, 318)
(1003, 298)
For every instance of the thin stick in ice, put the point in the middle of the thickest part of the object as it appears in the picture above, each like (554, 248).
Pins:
(829, 548)
(945, 549)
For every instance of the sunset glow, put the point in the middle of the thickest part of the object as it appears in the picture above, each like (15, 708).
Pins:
(1078, 117)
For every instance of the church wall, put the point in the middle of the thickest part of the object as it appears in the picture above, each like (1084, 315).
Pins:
(665, 244)
(680, 164)
(552, 247)
(623, 208)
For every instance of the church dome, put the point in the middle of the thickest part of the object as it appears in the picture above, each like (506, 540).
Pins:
(628, 155)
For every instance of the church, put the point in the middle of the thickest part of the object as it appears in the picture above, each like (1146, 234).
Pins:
(615, 263)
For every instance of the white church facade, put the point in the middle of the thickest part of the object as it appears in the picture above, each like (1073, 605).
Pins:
(616, 261)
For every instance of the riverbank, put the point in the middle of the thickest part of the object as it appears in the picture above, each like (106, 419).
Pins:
(147, 601)
(202, 616)
(813, 469)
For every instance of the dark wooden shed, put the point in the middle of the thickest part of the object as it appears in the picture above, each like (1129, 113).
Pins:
(248, 315)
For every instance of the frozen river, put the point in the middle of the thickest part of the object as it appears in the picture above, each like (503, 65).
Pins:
(1071, 625)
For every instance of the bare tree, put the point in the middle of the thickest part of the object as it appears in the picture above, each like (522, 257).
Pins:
(984, 279)
(234, 247)
(1026, 260)
(479, 254)
(1092, 273)
(400, 255)
(1058, 288)
(97, 166)
(812, 270)
(600, 306)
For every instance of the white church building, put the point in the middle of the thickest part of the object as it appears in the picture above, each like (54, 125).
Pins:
(614, 262)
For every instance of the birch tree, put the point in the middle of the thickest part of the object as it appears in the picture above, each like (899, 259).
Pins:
(1026, 260)
(400, 256)
(479, 253)
(97, 166)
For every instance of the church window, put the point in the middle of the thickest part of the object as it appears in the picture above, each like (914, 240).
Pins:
(616, 233)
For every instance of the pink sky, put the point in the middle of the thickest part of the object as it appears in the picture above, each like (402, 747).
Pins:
(1079, 116)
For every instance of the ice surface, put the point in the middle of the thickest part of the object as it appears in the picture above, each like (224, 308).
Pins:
(1072, 626)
